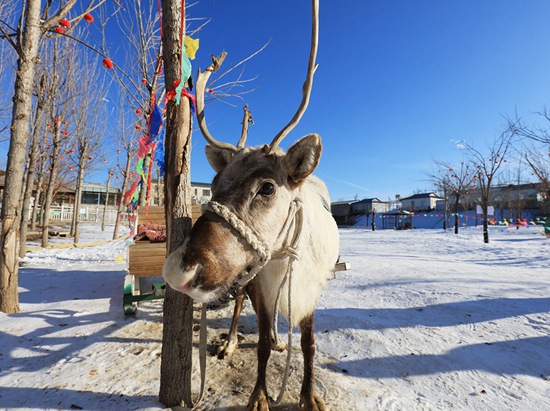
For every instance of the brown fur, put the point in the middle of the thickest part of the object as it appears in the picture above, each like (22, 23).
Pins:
(216, 254)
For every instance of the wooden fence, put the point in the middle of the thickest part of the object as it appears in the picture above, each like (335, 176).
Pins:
(88, 214)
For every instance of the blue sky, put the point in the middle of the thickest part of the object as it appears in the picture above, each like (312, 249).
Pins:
(397, 81)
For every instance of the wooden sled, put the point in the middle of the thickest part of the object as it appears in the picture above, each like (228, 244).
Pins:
(145, 259)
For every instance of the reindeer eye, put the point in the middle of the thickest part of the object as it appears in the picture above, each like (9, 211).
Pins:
(267, 189)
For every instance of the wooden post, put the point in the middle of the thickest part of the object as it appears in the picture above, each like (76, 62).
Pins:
(177, 337)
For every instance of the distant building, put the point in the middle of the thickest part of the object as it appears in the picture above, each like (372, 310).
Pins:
(347, 212)
(420, 202)
(201, 193)
(369, 205)
(510, 196)
(92, 194)
(341, 210)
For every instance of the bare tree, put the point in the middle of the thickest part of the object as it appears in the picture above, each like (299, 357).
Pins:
(88, 115)
(540, 165)
(7, 61)
(455, 181)
(442, 184)
(140, 25)
(536, 152)
(38, 127)
(126, 140)
(39, 181)
(34, 24)
(486, 166)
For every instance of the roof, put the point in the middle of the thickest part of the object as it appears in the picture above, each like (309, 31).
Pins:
(193, 183)
(398, 212)
(337, 203)
(422, 195)
(197, 184)
(368, 201)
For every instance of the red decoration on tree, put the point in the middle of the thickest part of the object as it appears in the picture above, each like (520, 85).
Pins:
(90, 158)
(65, 23)
(144, 80)
(71, 168)
(89, 18)
(211, 91)
(60, 30)
(107, 63)
(71, 151)
(138, 127)
(56, 120)
(138, 111)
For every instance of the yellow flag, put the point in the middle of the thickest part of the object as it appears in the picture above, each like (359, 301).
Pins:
(191, 46)
(120, 258)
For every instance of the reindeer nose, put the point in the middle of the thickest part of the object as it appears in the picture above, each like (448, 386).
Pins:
(180, 278)
(182, 282)
(185, 287)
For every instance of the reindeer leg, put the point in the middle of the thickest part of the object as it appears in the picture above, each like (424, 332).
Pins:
(231, 343)
(309, 397)
(259, 399)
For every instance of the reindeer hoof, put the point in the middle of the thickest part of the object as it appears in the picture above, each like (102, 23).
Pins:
(312, 402)
(227, 349)
(278, 345)
(258, 401)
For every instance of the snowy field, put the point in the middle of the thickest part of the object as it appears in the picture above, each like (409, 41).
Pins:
(425, 320)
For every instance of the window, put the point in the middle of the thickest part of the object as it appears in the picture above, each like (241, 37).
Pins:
(206, 193)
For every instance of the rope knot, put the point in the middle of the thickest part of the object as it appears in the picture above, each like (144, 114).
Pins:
(292, 252)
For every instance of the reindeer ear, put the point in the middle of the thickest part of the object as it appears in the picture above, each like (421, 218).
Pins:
(217, 157)
(302, 158)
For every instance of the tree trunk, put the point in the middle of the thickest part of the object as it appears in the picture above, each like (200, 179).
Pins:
(120, 207)
(456, 213)
(160, 194)
(177, 337)
(106, 201)
(31, 165)
(444, 210)
(51, 185)
(144, 187)
(25, 209)
(11, 201)
(37, 198)
(485, 223)
(78, 201)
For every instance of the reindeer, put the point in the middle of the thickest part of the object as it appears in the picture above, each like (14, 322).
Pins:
(268, 228)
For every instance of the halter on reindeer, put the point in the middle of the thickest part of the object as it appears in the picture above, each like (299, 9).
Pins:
(268, 228)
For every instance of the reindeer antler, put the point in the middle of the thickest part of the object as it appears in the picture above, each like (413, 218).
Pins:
(202, 79)
(308, 83)
(247, 118)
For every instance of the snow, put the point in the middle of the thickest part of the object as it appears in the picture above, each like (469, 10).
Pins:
(425, 320)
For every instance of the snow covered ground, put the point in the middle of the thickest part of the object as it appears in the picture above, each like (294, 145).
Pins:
(425, 320)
